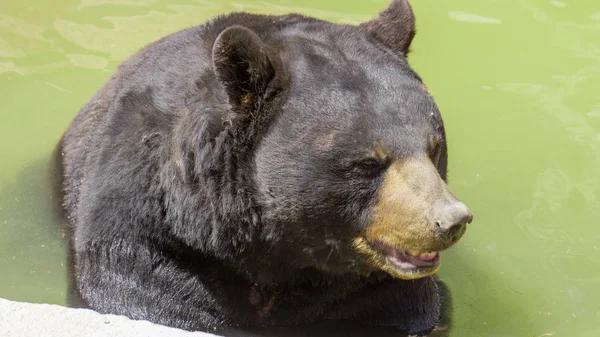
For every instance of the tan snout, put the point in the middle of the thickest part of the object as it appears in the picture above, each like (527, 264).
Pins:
(416, 210)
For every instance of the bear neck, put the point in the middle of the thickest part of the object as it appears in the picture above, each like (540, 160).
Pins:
(209, 188)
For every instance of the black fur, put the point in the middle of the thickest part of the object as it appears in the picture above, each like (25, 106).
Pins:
(215, 180)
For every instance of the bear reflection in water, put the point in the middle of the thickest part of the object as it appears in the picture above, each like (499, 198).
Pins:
(264, 171)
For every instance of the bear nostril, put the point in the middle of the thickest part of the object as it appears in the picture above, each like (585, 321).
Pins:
(453, 220)
(454, 230)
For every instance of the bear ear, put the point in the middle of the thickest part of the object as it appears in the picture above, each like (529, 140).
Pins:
(394, 27)
(242, 64)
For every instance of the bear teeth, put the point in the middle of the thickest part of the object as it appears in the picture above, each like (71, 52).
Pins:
(426, 256)
(413, 252)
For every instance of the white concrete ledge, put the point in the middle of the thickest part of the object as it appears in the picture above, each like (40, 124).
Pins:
(19, 319)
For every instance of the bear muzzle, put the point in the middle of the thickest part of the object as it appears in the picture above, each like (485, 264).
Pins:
(415, 217)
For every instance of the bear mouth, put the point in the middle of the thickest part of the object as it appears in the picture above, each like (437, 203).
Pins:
(400, 263)
(407, 259)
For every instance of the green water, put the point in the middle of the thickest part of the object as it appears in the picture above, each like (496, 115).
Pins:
(518, 82)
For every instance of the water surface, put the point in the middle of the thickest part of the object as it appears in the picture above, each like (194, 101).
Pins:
(517, 81)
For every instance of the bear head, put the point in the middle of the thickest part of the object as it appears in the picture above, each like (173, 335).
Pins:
(348, 154)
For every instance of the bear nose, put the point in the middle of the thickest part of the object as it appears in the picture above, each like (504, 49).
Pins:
(451, 218)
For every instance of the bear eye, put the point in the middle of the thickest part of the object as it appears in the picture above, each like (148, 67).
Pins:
(435, 152)
(435, 148)
(371, 165)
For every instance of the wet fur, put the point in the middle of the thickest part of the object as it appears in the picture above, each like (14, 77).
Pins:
(168, 213)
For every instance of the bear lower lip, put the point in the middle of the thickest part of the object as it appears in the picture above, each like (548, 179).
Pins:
(404, 259)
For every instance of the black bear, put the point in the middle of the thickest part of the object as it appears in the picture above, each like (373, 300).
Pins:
(264, 171)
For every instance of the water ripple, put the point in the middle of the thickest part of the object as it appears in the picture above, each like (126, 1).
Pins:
(472, 18)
